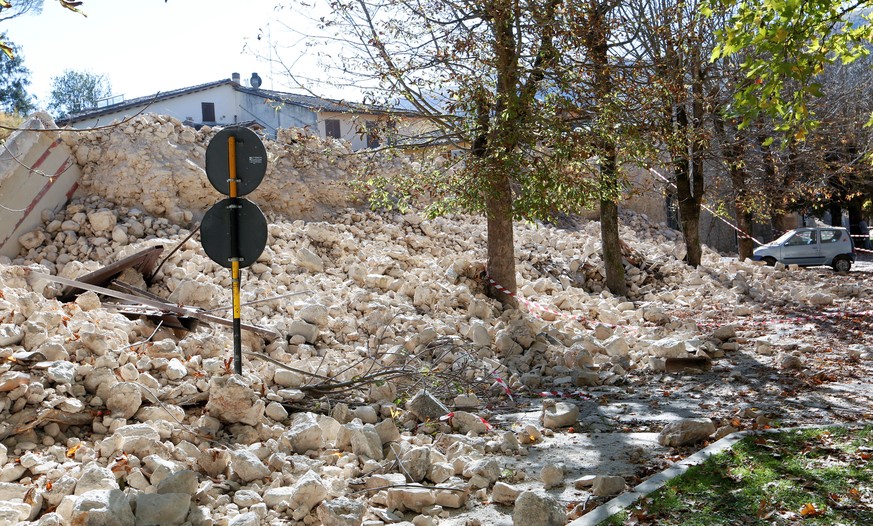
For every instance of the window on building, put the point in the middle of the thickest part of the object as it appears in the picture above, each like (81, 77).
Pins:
(372, 134)
(208, 110)
(332, 128)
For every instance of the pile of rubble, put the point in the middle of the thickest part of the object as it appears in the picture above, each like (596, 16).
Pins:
(375, 404)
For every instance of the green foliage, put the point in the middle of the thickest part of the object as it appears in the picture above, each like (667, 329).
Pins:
(75, 91)
(501, 80)
(14, 79)
(784, 46)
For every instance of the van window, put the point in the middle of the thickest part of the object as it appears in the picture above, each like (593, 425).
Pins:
(830, 236)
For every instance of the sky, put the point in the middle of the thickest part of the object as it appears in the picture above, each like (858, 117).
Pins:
(147, 46)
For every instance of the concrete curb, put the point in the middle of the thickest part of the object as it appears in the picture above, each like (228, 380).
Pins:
(655, 482)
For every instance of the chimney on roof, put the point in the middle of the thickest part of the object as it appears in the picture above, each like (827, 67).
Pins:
(234, 77)
(255, 81)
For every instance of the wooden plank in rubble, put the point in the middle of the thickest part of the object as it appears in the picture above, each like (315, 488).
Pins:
(143, 261)
(160, 305)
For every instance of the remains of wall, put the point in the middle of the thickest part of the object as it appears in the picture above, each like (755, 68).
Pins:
(157, 165)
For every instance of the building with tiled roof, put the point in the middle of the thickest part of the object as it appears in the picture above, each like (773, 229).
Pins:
(228, 101)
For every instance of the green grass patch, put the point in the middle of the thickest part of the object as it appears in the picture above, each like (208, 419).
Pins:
(815, 476)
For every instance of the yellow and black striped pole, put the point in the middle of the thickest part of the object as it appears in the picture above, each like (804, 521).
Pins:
(234, 254)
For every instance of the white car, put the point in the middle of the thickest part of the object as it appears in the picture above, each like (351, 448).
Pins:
(810, 246)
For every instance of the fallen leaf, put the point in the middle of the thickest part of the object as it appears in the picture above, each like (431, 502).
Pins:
(71, 452)
(809, 510)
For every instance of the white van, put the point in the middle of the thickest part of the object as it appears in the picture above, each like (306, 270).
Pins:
(810, 246)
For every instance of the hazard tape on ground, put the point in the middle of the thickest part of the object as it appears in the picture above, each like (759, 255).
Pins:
(534, 308)
(532, 305)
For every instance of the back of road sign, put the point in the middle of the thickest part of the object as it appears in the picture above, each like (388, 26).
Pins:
(251, 160)
(215, 232)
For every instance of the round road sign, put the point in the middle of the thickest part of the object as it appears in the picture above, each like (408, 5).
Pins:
(251, 160)
(215, 232)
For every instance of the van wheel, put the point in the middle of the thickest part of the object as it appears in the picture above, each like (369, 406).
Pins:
(842, 264)
(770, 261)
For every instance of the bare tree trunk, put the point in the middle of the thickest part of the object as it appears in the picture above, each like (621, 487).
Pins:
(836, 213)
(733, 148)
(598, 46)
(501, 242)
(612, 260)
(689, 206)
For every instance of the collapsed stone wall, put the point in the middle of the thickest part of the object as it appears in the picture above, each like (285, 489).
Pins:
(96, 418)
(156, 164)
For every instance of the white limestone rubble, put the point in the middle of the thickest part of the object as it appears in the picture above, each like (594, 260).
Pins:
(142, 424)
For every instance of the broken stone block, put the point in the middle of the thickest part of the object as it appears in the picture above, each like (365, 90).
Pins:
(341, 511)
(606, 486)
(426, 407)
(410, 499)
(106, 506)
(102, 220)
(686, 431)
(10, 335)
(315, 314)
(304, 435)
(365, 442)
(617, 346)
(416, 463)
(789, 362)
(169, 509)
(13, 379)
(725, 332)
(32, 239)
(451, 498)
(464, 422)
(286, 378)
(124, 399)
(668, 348)
(276, 411)
(184, 481)
(25, 503)
(487, 468)
(552, 476)
(466, 401)
(440, 472)
(530, 435)
(309, 260)
(388, 431)
(133, 438)
(366, 414)
(503, 493)
(382, 392)
(232, 400)
(561, 414)
(585, 378)
(584, 482)
(299, 498)
(308, 331)
(95, 477)
(532, 509)
(247, 466)
(214, 462)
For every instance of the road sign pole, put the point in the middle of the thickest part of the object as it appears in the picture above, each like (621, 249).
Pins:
(234, 251)
(234, 231)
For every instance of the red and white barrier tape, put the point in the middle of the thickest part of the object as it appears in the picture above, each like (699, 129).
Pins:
(742, 234)
(532, 305)
(448, 418)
